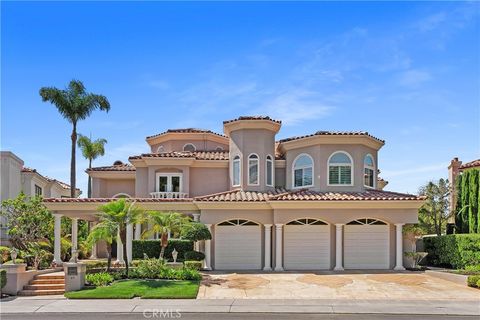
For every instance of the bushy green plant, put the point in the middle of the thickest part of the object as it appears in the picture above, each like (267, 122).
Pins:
(454, 250)
(3, 279)
(100, 279)
(4, 254)
(472, 281)
(194, 256)
(156, 269)
(473, 268)
(17, 261)
(151, 248)
(194, 265)
(96, 264)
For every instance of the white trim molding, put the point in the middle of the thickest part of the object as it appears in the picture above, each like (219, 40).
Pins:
(254, 158)
(303, 167)
(268, 159)
(351, 165)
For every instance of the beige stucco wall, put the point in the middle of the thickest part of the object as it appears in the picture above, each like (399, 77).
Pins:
(11, 167)
(107, 188)
(320, 155)
(177, 145)
(280, 179)
(207, 181)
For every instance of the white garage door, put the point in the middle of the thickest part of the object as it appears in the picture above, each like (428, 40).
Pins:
(307, 245)
(367, 244)
(238, 245)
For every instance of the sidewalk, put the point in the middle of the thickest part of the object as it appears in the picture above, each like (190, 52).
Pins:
(323, 306)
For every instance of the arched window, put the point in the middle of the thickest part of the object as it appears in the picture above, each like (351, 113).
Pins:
(303, 171)
(253, 169)
(236, 171)
(340, 167)
(189, 147)
(366, 221)
(238, 222)
(160, 149)
(307, 221)
(369, 171)
(121, 195)
(269, 171)
(218, 149)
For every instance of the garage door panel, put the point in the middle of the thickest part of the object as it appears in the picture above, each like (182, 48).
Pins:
(367, 246)
(238, 247)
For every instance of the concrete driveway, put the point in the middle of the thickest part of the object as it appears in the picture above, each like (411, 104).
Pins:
(372, 285)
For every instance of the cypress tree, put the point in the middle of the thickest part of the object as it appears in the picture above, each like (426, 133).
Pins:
(472, 200)
(458, 214)
(463, 207)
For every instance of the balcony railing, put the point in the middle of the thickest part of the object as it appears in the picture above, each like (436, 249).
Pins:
(169, 195)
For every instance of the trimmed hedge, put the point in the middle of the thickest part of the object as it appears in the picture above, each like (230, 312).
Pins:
(194, 256)
(194, 265)
(473, 281)
(453, 250)
(3, 278)
(152, 248)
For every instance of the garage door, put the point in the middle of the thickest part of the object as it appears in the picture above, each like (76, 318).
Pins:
(238, 245)
(367, 243)
(307, 245)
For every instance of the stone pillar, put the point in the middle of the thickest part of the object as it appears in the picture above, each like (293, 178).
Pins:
(57, 251)
(74, 238)
(268, 247)
(208, 245)
(399, 247)
(338, 246)
(119, 249)
(138, 231)
(94, 246)
(278, 247)
(129, 242)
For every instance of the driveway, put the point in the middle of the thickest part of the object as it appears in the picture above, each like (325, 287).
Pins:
(382, 285)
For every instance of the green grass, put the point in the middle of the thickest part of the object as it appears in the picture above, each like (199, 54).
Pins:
(146, 289)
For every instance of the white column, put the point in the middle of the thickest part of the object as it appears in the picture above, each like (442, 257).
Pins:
(138, 231)
(278, 247)
(338, 246)
(57, 251)
(399, 246)
(208, 265)
(94, 246)
(196, 217)
(74, 238)
(268, 247)
(129, 242)
(119, 249)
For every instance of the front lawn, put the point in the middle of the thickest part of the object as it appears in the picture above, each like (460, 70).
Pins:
(146, 289)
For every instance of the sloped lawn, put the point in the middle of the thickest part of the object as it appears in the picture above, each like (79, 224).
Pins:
(146, 289)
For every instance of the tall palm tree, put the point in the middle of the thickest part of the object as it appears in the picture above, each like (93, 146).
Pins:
(165, 223)
(91, 150)
(121, 213)
(106, 231)
(74, 104)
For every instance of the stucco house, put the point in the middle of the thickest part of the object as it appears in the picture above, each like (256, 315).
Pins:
(308, 202)
(16, 178)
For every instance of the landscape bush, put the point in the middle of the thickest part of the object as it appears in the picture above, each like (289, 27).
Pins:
(194, 265)
(100, 279)
(3, 279)
(473, 281)
(154, 268)
(151, 248)
(194, 256)
(4, 254)
(453, 250)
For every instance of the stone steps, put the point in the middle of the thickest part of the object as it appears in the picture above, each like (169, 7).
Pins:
(48, 281)
(40, 292)
(45, 284)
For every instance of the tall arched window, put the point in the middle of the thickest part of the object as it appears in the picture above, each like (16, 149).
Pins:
(269, 171)
(369, 171)
(189, 147)
(236, 171)
(160, 149)
(303, 171)
(340, 169)
(253, 169)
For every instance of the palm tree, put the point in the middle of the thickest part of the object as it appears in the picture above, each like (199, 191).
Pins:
(91, 150)
(106, 230)
(74, 104)
(121, 213)
(165, 223)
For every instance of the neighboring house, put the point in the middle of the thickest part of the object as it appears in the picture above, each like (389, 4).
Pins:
(455, 168)
(308, 202)
(15, 178)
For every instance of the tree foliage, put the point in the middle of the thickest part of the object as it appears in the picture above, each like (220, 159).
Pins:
(106, 231)
(91, 149)
(434, 213)
(467, 218)
(196, 231)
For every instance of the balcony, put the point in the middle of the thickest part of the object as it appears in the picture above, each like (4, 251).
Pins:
(169, 195)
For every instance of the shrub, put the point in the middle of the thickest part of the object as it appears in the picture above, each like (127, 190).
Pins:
(96, 264)
(453, 250)
(4, 254)
(156, 269)
(194, 256)
(3, 279)
(151, 248)
(472, 281)
(194, 265)
(17, 261)
(100, 279)
(478, 283)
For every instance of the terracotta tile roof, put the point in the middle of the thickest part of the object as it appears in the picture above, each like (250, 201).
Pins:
(239, 195)
(370, 195)
(333, 133)
(60, 183)
(115, 167)
(186, 130)
(471, 164)
(198, 155)
(103, 200)
(252, 118)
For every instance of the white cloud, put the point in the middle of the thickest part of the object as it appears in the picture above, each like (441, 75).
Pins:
(413, 78)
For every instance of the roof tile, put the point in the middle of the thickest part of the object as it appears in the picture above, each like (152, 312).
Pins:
(252, 118)
(186, 130)
(471, 164)
(115, 167)
(332, 133)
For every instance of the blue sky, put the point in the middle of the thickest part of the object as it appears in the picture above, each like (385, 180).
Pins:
(405, 72)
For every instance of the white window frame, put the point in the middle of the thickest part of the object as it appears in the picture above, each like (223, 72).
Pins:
(303, 167)
(272, 171)
(371, 168)
(257, 159)
(352, 174)
(160, 149)
(169, 176)
(189, 144)
(239, 171)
